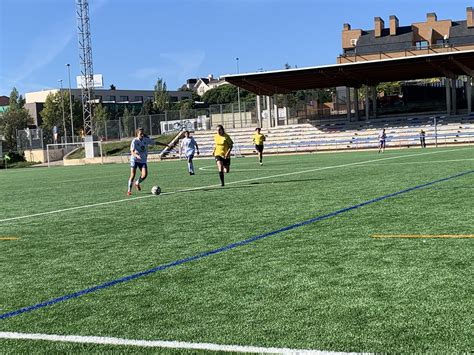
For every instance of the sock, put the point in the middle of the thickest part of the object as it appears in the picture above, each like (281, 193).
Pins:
(190, 167)
(130, 182)
(139, 181)
(221, 176)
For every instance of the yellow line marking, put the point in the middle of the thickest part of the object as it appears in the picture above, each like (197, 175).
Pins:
(458, 236)
(9, 238)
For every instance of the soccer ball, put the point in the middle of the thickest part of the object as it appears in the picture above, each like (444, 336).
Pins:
(155, 190)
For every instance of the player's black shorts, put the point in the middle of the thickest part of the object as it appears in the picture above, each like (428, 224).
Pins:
(225, 162)
(138, 165)
(259, 148)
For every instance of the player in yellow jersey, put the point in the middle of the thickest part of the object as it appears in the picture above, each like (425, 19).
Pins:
(258, 140)
(222, 147)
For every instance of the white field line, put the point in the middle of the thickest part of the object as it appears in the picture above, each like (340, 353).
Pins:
(159, 344)
(218, 185)
(212, 167)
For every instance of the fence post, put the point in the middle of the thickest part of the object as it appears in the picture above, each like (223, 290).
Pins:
(151, 128)
(120, 128)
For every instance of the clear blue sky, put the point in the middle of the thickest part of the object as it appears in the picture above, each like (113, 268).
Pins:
(136, 41)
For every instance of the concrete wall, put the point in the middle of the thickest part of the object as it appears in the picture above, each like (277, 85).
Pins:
(40, 155)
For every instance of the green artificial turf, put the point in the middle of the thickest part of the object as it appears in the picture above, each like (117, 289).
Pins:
(326, 285)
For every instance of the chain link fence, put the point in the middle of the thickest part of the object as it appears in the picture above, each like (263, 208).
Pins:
(28, 139)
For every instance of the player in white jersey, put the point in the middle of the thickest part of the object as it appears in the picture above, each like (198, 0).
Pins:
(382, 139)
(189, 147)
(138, 158)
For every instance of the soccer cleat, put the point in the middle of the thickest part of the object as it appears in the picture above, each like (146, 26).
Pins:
(261, 164)
(191, 173)
(129, 193)
(137, 185)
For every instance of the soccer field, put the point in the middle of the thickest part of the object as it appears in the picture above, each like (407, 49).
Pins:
(348, 252)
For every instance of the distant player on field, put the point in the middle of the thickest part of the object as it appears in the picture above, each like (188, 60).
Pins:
(422, 139)
(222, 147)
(258, 140)
(382, 138)
(189, 147)
(138, 158)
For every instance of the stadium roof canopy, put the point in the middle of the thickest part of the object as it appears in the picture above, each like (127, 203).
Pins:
(449, 65)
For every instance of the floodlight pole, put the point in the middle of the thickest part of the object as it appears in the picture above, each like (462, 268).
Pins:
(238, 93)
(62, 108)
(70, 101)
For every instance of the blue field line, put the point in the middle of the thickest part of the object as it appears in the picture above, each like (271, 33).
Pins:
(219, 250)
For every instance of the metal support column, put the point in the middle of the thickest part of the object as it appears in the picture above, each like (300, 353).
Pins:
(348, 102)
(469, 94)
(275, 109)
(448, 96)
(356, 103)
(374, 101)
(453, 96)
(269, 110)
(259, 112)
(367, 103)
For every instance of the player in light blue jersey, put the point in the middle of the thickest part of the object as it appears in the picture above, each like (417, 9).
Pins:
(189, 147)
(138, 158)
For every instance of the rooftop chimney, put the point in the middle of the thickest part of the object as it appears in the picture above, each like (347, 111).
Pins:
(470, 17)
(347, 27)
(379, 26)
(393, 25)
(431, 17)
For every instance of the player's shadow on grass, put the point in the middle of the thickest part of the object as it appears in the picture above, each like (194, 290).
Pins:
(254, 183)
(226, 187)
(284, 181)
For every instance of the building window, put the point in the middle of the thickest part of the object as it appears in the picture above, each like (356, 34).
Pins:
(150, 98)
(173, 99)
(421, 44)
(442, 42)
(138, 98)
(111, 98)
(354, 42)
(123, 98)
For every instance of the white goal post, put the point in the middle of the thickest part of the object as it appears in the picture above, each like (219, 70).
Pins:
(58, 151)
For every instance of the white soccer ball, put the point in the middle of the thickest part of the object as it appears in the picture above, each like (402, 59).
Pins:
(155, 190)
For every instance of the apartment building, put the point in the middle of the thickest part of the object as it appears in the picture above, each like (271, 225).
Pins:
(34, 101)
(394, 41)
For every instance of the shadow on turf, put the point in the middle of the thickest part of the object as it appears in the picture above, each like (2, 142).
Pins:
(284, 181)
(252, 184)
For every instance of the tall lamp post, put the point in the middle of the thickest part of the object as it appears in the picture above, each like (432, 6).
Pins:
(70, 101)
(238, 92)
(62, 108)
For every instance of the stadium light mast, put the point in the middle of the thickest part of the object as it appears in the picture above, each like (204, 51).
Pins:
(70, 101)
(85, 56)
(62, 109)
(238, 92)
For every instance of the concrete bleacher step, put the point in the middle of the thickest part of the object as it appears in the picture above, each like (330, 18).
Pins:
(401, 132)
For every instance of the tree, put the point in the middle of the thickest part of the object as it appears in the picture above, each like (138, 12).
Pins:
(127, 123)
(389, 88)
(160, 96)
(52, 113)
(226, 94)
(101, 115)
(147, 108)
(15, 118)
